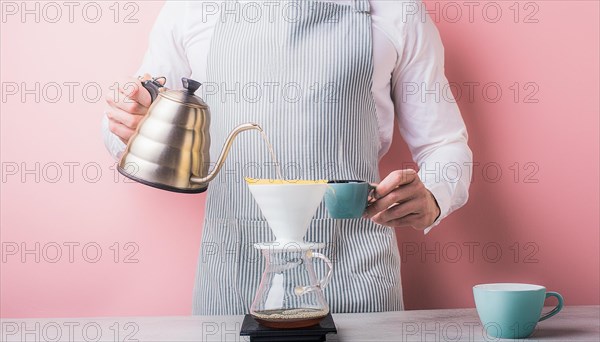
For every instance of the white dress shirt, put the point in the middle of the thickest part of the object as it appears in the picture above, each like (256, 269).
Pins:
(408, 83)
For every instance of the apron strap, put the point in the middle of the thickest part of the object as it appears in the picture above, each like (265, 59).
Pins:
(362, 6)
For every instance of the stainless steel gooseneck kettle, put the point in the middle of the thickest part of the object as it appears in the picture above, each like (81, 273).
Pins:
(170, 148)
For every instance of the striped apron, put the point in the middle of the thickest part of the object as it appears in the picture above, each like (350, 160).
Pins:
(302, 70)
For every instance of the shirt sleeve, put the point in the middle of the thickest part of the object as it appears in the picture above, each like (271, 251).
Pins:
(165, 56)
(429, 118)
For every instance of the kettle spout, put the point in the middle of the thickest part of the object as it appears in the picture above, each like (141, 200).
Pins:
(225, 151)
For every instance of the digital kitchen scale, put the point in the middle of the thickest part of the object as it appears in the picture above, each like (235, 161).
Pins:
(260, 333)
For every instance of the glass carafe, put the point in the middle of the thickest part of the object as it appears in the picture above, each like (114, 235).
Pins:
(290, 294)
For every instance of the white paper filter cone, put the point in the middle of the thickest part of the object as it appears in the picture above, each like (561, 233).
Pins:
(288, 208)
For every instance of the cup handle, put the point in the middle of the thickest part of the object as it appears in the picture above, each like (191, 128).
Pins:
(371, 190)
(300, 290)
(558, 307)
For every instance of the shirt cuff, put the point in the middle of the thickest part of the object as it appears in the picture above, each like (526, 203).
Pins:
(114, 145)
(440, 192)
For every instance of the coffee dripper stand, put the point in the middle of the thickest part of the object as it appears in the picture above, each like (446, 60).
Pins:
(289, 304)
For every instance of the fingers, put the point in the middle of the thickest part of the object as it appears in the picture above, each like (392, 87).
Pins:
(123, 132)
(131, 96)
(126, 104)
(128, 107)
(396, 212)
(134, 90)
(145, 77)
(400, 200)
(399, 195)
(397, 187)
(394, 180)
(410, 220)
(125, 118)
(143, 95)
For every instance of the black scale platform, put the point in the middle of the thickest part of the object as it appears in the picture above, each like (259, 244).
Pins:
(260, 333)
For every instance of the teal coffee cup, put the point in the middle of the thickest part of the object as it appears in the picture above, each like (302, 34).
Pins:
(347, 199)
(510, 310)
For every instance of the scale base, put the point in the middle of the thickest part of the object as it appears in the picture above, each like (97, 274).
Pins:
(260, 333)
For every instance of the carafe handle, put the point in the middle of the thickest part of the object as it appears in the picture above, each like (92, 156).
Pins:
(300, 290)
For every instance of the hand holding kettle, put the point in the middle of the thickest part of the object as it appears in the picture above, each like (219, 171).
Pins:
(167, 133)
(128, 107)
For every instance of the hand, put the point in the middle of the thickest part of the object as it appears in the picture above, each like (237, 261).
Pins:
(128, 108)
(401, 200)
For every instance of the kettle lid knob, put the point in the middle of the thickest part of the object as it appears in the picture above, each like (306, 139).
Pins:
(190, 85)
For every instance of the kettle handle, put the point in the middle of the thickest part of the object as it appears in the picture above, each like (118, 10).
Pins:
(153, 86)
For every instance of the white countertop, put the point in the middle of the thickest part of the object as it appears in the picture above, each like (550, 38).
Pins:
(574, 323)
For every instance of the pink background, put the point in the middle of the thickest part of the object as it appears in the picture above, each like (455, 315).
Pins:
(546, 231)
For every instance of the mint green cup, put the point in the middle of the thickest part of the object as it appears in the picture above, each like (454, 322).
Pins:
(347, 199)
(511, 310)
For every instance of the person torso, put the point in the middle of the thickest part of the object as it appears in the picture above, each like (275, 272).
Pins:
(387, 18)
(324, 126)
